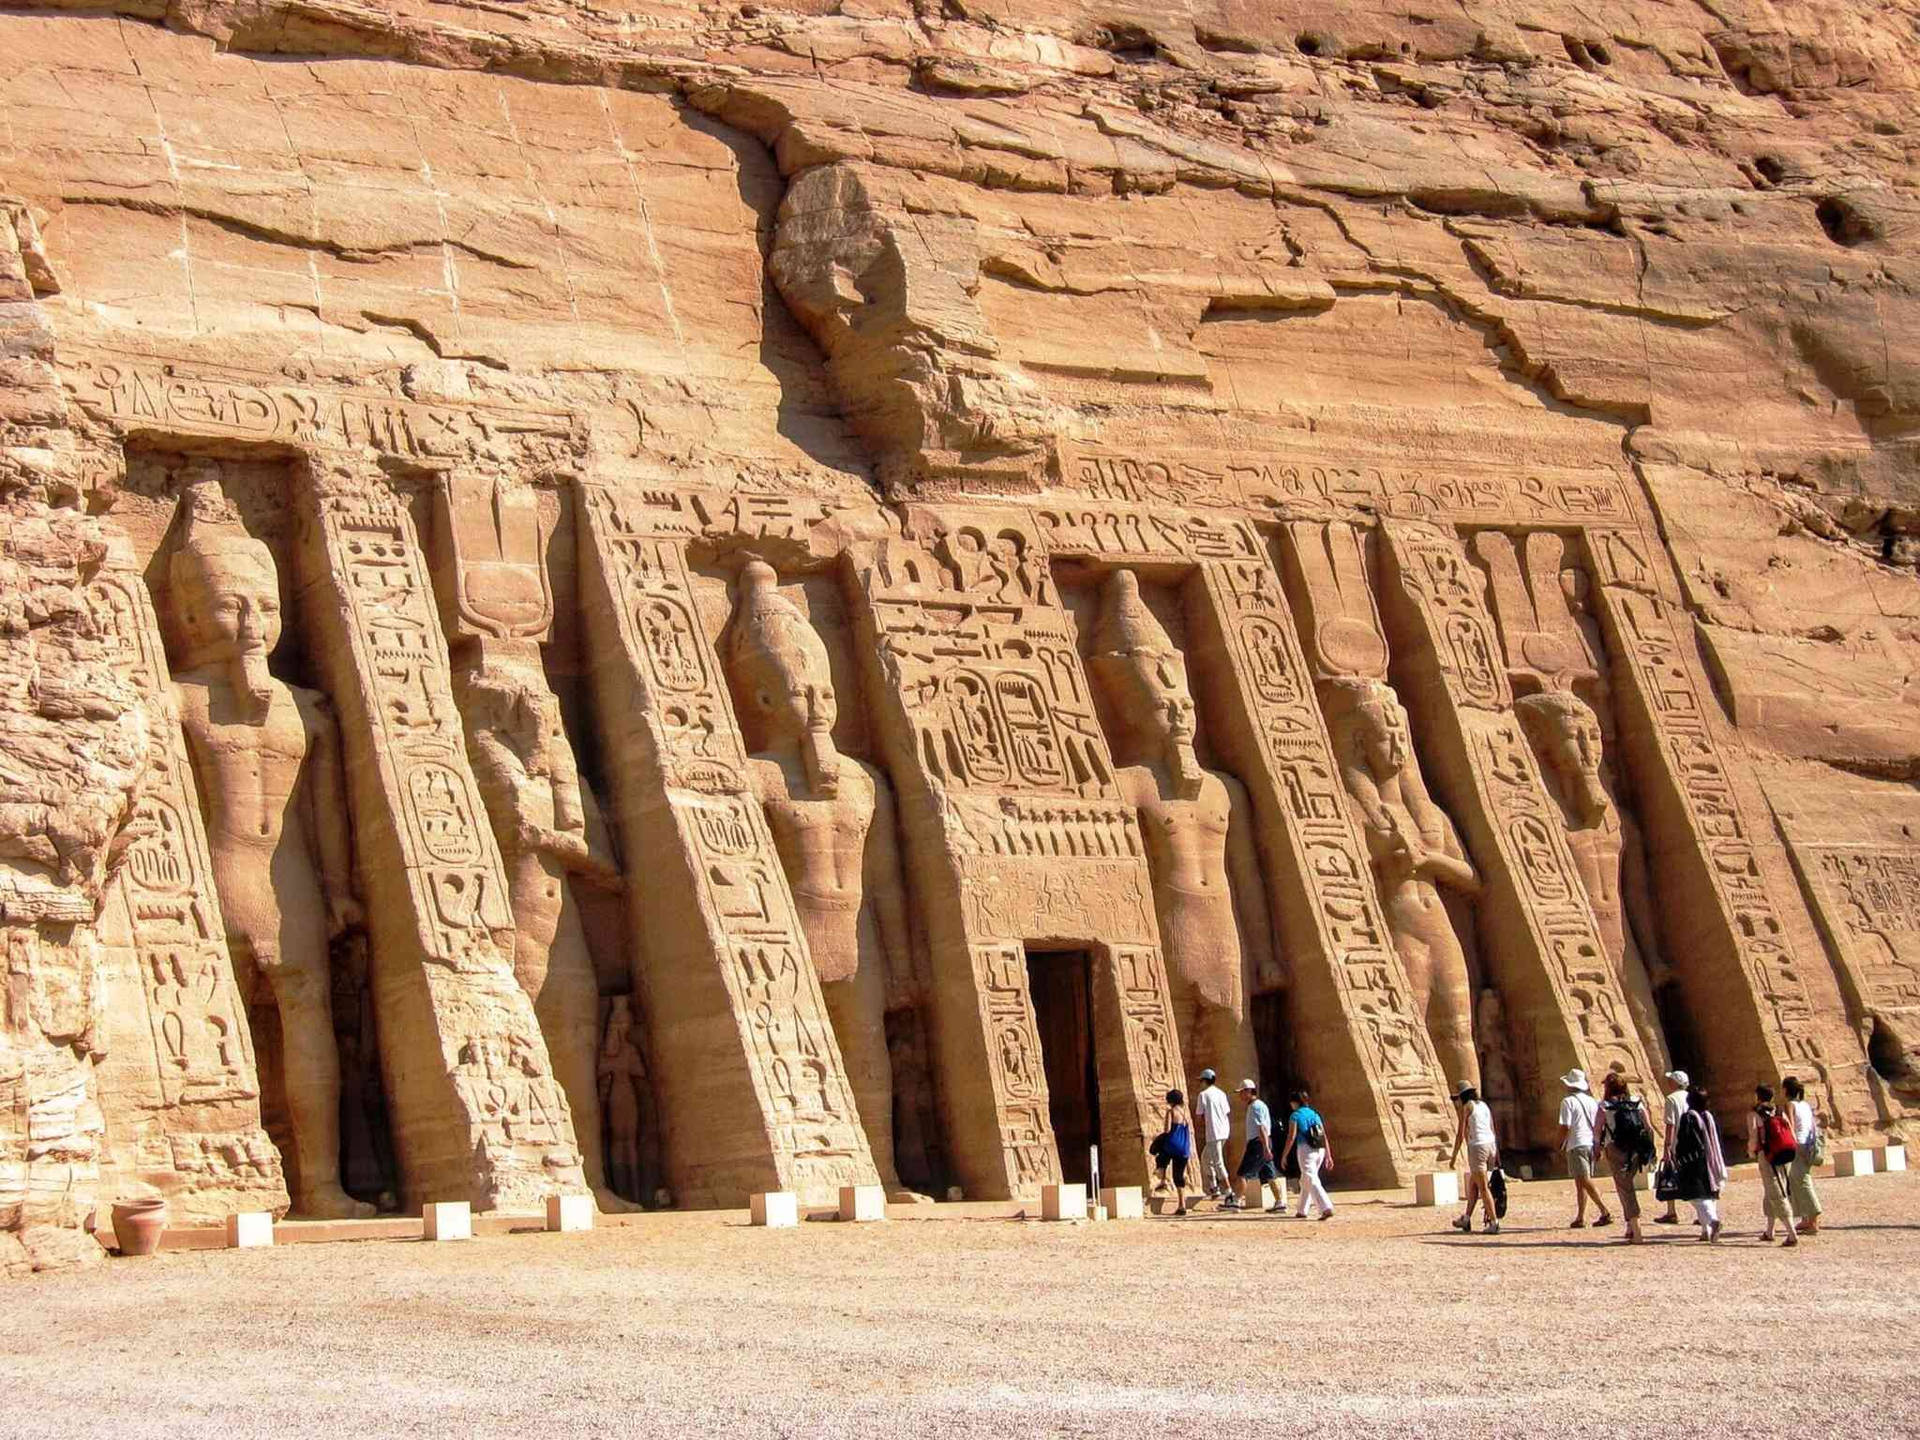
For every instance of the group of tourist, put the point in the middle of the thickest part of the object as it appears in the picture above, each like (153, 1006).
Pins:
(1305, 1151)
(1784, 1138)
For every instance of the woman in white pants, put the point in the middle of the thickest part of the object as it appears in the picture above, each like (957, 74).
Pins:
(1307, 1138)
(1698, 1165)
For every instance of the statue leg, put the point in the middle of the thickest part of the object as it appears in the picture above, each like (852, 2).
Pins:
(567, 1005)
(311, 1069)
(1645, 1009)
(857, 1008)
(1449, 1007)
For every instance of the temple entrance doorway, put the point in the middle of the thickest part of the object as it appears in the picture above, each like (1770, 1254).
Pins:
(1061, 984)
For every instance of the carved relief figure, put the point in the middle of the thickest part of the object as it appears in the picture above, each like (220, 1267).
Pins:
(626, 1096)
(832, 819)
(1565, 734)
(1207, 891)
(267, 759)
(525, 769)
(1414, 849)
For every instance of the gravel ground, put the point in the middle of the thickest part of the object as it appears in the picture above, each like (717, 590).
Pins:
(967, 1323)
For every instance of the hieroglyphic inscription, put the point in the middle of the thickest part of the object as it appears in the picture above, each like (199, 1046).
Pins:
(136, 393)
(1003, 746)
(1391, 1056)
(1305, 483)
(1519, 833)
(987, 664)
(1869, 897)
(164, 908)
(1651, 671)
(691, 755)
(452, 919)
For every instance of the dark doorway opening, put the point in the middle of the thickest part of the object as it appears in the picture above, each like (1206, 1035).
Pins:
(1061, 984)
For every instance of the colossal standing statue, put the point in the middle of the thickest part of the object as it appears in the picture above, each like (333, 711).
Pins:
(1565, 734)
(1414, 849)
(531, 788)
(1207, 891)
(267, 761)
(832, 819)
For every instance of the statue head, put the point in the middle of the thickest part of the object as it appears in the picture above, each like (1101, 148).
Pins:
(1565, 734)
(782, 680)
(1145, 677)
(226, 593)
(1372, 724)
(619, 1024)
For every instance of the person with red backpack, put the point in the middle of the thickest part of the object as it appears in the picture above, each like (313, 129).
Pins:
(1770, 1141)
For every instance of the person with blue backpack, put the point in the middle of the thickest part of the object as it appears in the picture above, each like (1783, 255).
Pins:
(1307, 1139)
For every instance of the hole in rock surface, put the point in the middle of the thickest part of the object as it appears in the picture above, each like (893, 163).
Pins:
(1845, 223)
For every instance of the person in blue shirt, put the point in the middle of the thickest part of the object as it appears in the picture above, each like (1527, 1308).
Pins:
(1307, 1138)
(1258, 1158)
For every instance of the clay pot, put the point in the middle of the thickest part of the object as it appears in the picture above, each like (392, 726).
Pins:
(139, 1224)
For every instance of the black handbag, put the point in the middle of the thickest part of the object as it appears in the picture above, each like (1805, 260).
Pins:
(1666, 1182)
(1497, 1183)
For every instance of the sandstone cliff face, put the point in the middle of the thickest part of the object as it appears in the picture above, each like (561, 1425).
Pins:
(1501, 351)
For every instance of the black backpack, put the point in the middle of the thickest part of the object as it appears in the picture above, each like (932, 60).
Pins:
(1631, 1135)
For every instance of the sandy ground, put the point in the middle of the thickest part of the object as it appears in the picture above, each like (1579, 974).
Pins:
(1379, 1322)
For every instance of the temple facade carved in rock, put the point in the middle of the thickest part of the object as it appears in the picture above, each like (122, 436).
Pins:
(812, 671)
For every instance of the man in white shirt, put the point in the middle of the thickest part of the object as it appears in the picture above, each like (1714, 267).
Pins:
(1578, 1112)
(1213, 1113)
(1675, 1107)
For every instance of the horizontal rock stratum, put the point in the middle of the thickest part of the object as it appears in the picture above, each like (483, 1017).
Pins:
(695, 600)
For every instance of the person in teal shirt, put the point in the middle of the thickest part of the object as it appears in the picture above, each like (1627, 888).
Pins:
(1307, 1138)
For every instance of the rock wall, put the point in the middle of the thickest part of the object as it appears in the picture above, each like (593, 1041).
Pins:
(691, 599)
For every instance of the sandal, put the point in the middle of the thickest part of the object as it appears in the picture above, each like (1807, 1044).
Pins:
(1605, 1219)
(1577, 1225)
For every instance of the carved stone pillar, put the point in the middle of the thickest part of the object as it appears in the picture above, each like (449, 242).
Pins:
(1365, 1051)
(750, 1076)
(475, 1108)
(1564, 1002)
(178, 1084)
(1762, 1005)
(1020, 842)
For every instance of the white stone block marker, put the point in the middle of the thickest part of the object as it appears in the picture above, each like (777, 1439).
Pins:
(776, 1209)
(1063, 1202)
(448, 1220)
(570, 1212)
(1253, 1192)
(1437, 1187)
(1125, 1202)
(1890, 1158)
(863, 1203)
(249, 1228)
(1852, 1162)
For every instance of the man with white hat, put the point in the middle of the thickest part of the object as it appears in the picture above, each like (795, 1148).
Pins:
(1578, 1112)
(1675, 1107)
(1214, 1114)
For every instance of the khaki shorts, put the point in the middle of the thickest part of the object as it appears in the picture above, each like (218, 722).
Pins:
(1580, 1162)
(1479, 1159)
